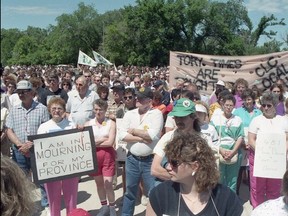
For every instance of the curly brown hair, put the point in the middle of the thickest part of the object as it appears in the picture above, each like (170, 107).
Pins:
(190, 147)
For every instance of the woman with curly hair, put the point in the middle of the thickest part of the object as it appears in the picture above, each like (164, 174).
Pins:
(17, 196)
(194, 187)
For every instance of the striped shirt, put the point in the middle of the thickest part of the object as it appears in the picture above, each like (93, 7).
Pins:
(26, 122)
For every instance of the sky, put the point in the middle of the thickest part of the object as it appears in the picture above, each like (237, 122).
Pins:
(41, 13)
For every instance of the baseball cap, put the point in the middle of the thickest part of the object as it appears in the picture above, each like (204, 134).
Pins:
(220, 82)
(183, 107)
(157, 83)
(118, 86)
(24, 85)
(200, 108)
(144, 92)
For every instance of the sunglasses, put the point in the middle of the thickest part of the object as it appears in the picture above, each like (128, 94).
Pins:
(97, 80)
(23, 92)
(174, 163)
(266, 105)
(87, 76)
(52, 80)
(130, 97)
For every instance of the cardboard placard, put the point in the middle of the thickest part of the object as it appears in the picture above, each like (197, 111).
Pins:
(63, 154)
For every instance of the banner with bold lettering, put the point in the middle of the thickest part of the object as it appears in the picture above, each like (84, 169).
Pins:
(84, 59)
(206, 70)
(63, 154)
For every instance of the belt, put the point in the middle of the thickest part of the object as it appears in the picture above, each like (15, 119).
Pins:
(141, 157)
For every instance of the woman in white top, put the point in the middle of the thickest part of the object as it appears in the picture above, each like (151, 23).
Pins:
(104, 130)
(69, 187)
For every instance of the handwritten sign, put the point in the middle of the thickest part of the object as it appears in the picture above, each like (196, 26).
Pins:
(63, 154)
(206, 70)
(270, 155)
(121, 149)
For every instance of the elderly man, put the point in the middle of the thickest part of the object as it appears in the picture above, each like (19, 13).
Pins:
(79, 107)
(23, 120)
(141, 130)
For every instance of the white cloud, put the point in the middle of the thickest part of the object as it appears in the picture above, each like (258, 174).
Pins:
(34, 10)
(267, 6)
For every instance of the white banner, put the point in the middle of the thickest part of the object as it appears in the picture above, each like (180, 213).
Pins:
(270, 155)
(86, 60)
(206, 70)
(100, 59)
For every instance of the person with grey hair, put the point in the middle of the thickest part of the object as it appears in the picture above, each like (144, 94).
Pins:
(79, 107)
(263, 189)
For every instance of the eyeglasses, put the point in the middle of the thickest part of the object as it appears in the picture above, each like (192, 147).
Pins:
(79, 84)
(174, 163)
(57, 108)
(266, 105)
(130, 97)
(87, 76)
(23, 92)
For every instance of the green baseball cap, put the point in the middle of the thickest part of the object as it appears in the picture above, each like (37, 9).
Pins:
(182, 108)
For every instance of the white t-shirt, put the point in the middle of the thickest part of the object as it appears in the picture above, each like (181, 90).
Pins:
(52, 126)
(275, 207)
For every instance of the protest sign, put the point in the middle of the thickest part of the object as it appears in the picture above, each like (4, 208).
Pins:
(121, 149)
(100, 59)
(270, 155)
(206, 70)
(63, 154)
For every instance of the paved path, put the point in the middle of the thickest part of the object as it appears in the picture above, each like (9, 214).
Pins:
(88, 199)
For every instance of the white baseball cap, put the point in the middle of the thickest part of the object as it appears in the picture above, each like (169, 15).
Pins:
(200, 108)
(220, 82)
(24, 85)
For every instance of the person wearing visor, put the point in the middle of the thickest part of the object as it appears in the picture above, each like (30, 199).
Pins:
(141, 130)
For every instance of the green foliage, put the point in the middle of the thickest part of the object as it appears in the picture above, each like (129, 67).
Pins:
(144, 34)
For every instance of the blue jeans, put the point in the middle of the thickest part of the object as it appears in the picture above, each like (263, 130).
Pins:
(135, 170)
(24, 163)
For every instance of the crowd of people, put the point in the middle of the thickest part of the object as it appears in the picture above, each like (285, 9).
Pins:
(185, 153)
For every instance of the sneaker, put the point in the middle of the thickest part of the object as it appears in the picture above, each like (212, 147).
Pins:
(144, 200)
(112, 211)
(104, 211)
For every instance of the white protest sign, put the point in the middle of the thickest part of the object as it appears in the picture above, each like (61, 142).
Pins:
(206, 70)
(120, 145)
(84, 59)
(63, 154)
(270, 155)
